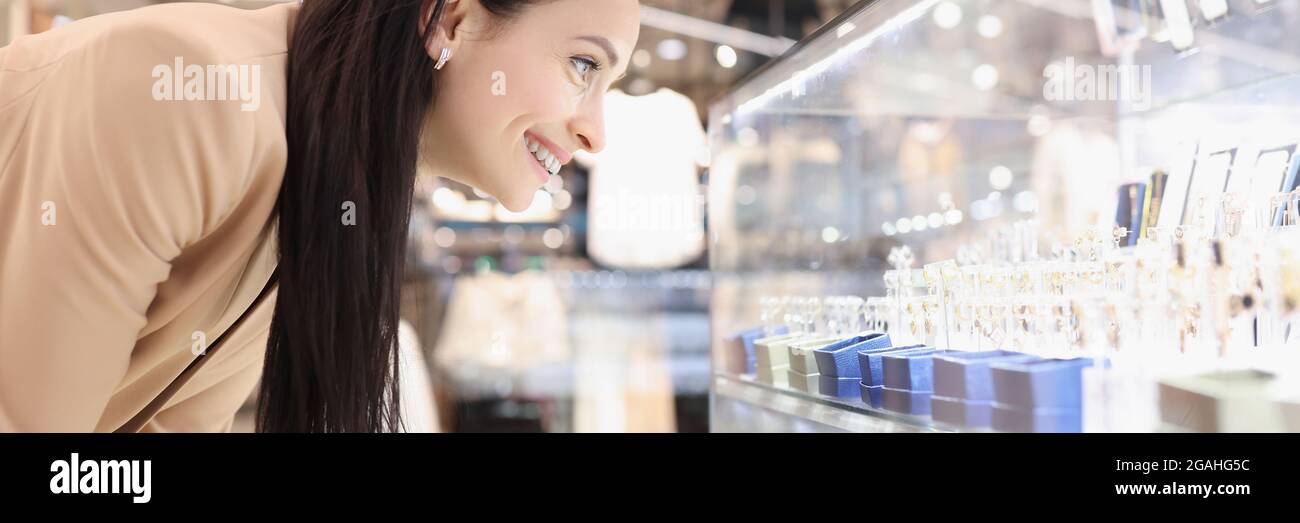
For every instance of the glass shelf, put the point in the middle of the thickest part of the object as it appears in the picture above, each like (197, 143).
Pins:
(741, 404)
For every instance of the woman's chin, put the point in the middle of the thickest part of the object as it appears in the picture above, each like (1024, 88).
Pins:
(517, 201)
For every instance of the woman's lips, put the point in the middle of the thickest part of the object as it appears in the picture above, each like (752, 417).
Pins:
(560, 153)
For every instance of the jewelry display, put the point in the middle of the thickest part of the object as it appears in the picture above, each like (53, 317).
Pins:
(1147, 241)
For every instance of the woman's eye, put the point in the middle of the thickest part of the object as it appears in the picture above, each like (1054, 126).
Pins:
(584, 66)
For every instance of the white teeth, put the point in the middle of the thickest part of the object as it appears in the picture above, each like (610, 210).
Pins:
(544, 156)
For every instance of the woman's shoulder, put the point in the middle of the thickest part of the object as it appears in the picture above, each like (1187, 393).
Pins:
(162, 53)
(205, 32)
(174, 99)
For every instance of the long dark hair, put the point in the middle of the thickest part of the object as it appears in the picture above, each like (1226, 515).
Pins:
(360, 81)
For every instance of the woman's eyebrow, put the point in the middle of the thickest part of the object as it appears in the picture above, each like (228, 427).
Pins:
(605, 45)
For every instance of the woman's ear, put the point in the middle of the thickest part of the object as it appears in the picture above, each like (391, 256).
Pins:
(449, 32)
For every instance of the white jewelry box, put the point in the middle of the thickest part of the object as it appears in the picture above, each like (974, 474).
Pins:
(770, 354)
(803, 382)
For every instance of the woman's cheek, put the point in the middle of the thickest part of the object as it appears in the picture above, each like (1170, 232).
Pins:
(541, 91)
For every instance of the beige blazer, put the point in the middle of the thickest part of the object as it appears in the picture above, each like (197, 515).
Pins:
(134, 228)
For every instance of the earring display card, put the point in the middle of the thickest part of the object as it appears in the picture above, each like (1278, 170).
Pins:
(1292, 179)
(1154, 198)
(1178, 22)
(1174, 199)
(1212, 10)
(1270, 172)
(1128, 214)
(1270, 175)
(1112, 35)
(1239, 183)
(1210, 180)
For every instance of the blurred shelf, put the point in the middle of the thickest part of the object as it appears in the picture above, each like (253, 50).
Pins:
(688, 374)
(744, 405)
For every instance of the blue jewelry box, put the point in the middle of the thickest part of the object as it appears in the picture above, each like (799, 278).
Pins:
(914, 402)
(966, 376)
(909, 380)
(839, 359)
(965, 413)
(909, 370)
(871, 394)
(869, 362)
(1010, 419)
(838, 387)
(963, 386)
(1039, 383)
(870, 388)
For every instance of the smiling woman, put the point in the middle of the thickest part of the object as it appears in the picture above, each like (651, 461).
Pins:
(558, 58)
(353, 133)
(133, 224)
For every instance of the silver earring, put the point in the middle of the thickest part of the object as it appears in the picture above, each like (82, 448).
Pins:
(443, 59)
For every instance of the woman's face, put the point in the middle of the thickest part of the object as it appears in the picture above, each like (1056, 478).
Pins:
(537, 81)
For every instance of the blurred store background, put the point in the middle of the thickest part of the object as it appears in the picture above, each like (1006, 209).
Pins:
(589, 311)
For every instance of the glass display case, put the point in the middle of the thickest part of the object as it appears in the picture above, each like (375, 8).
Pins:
(1074, 215)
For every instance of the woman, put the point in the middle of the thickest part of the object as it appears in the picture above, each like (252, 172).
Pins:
(144, 208)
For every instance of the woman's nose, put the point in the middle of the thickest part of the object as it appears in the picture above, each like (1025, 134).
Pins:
(588, 126)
